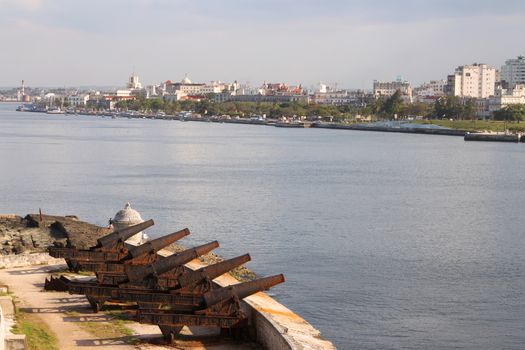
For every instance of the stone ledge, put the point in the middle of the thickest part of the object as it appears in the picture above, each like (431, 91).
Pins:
(16, 342)
(21, 260)
(9, 341)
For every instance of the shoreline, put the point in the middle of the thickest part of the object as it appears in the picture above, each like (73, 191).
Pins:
(276, 123)
(468, 135)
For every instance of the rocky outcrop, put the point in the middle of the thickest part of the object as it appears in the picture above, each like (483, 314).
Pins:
(35, 232)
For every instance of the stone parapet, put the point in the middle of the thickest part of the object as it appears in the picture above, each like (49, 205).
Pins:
(9, 341)
(21, 260)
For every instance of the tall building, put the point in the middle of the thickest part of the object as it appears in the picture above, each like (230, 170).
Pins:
(475, 80)
(134, 83)
(513, 72)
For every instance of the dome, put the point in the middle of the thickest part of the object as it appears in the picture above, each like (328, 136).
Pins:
(127, 216)
(186, 80)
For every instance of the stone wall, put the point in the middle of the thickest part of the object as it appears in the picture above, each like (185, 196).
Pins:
(9, 341)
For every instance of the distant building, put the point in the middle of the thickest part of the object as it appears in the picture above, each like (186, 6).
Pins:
(504, 98)
(387, 89)
(326, 95)
(188, 88)
(281, 89)
(78, 100)
(134, 83)
(476, 80)
(270, 98)
(513, 72)
(432, 88)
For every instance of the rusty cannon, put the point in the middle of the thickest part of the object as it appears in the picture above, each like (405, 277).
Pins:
(163, 289)
(143, 254)
(159, 274)
(217, 308)
(116, 287)
(111, 247)
(185, 287)
(144, 274)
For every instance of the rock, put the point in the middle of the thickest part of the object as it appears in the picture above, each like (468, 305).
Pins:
(35, 233)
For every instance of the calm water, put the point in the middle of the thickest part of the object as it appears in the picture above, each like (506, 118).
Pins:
(387, 240)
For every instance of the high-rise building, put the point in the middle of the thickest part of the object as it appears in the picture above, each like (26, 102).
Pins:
(475, 80)
(513, 72)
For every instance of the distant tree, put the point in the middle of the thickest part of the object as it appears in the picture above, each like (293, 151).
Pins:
(416, 109)
(157, 104)
(393, 105)
(449, 107)
(468, 109)
(514, 112)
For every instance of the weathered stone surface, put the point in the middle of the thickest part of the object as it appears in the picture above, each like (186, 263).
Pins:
(34, 233)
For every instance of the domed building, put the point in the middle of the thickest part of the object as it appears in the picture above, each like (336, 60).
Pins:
(128, 217)
(186, 80)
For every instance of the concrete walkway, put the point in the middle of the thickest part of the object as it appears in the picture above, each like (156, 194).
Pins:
(27, 284)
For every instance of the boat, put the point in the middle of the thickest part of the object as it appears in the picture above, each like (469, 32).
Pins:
(55, 111)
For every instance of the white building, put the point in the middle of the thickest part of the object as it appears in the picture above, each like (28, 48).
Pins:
(513, 71)
(432, 88)
(329, 96)
(78, 100)
(188, 88)
(387, 89)
(134, 83)
(475, 80)
(504, 98)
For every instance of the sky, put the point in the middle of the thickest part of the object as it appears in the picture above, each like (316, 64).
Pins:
(345, 43)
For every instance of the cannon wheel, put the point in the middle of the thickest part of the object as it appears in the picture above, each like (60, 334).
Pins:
(170, 332)
(73, 266)
(95, 304)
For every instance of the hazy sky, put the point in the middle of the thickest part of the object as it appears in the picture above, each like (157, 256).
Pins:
(351, 43)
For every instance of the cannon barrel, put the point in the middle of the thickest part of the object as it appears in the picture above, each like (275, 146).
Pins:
(241, 290)
(137, 274)
(212, 271)
(123, 234)
(157, 244)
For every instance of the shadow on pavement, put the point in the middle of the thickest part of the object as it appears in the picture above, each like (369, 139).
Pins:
(118, 341)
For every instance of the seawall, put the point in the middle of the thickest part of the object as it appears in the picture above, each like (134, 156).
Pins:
(494, 137)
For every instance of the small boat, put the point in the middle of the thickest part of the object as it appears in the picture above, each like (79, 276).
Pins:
(55, 111)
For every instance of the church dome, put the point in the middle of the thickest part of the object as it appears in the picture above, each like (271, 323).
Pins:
(127, 216)
(186, 80)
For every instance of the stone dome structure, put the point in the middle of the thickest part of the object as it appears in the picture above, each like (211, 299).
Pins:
(186, 80)
(128, 217)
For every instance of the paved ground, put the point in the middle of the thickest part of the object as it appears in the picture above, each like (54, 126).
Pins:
(64, 312)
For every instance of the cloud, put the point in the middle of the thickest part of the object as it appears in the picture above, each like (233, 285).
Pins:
(352, 42)
(23, 5)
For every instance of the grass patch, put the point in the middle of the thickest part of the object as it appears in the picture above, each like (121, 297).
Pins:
(38, 334)
(476, 125)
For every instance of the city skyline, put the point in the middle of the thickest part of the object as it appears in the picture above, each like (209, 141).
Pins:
(350, 43)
